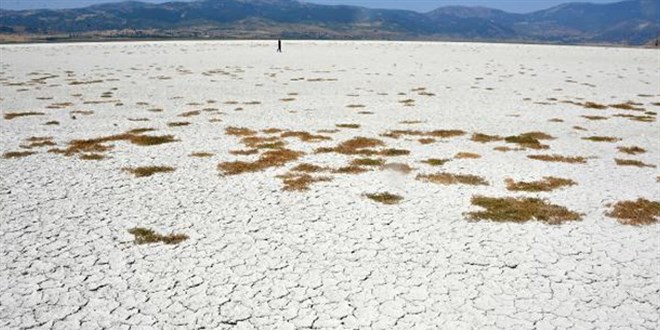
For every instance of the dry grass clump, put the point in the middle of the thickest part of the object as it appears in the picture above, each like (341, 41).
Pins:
(579, 128)
(355, 106)
(259, 142)
(137, 119)
(61, 105)
(308, 168)
(17, 154)
(450, 178)
(436, 133)
(507, 149)
(140, 130)
(92, 156)
(509, 209)
(426, 140)
(385, 198)
(368, 162)
(630, 105)
(239, 131)
(348, 125)
(52, 122)
(632, 150)
(244, 152)
(201, 154)
(559, 158)
(408, 102)
(467, 155)
(352, 169)
(394, 152)
(146, 236)
(436, 161)
(144, 171)
(12, 115)
(272, 131)
(190, 113)
(484, 138)
(632, 162)
(300, 182)
(150, 140)
(355, 146)
(601, 138)
(594, 105)
(595, 117)
(411, 122)
(548, 183)
(305, 136)
(37, 142)
(646, 119)
(636, 213)
(271, 158)
(178, 124)
(529, 140)
(556, 120)
(328, 131)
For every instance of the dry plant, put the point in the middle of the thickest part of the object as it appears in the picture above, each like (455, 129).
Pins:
(140, 130)
(92, 156)
(38, 142)
(355, 106)
(426, 140)
(529, 140)
(178, 124)
(308, 168)
(259, 142)
(12, 115)
(300, 181)
(368, 162)
(594, 105)
(632, 162)
(146, 236)
(548, 183)
(556, 120)
(355, 146)
(17, 154)
(436, 161)
(630, 105)
(408, 102)
(245, 152)
(239, 131)
(271, 158)
(484, 138)
(305, 136)
(347, 125)
(632, 150)
(144, 171)
(601, 139)
(272, 131)
(395, 134)
(579, 128)
(52, 122)
(509, 209)
(351, 170)
(646, 119)
(201, 154)
(385, 198)
(595, 117)
(636, 213)
(467, 155)
(450, 178)
(559, 158)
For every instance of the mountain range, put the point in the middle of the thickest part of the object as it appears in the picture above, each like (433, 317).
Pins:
(631, 22)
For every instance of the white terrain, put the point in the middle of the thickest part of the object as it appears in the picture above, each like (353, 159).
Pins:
(337, 185)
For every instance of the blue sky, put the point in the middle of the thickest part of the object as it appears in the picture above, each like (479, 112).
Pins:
(518, 6)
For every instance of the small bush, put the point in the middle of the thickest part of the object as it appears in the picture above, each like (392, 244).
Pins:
(147, 236)
(385, 198)
(631, 162)
(632, 150)
(548, 183)
(636, 213)
(520, 210)
(559, 158)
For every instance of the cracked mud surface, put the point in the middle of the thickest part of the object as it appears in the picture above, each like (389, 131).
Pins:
(263, 258)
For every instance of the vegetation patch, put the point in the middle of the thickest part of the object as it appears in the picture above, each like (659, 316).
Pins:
(485, 138)
(632, 150)
(305, 136)
(450, 178)
(509, 209)
(301, 182)
(630, 105)
(148, 236)
(559, 158)
(548, 183)
(467, 155)
(385, 198)
(244, 152)
(646, 119)
(52, 122)
(601, 139)
(436, 133)
(144, 171)
(12, 115)
(348, 125)
(595, 117)
(529, 140)
(352, 169)
(92, 156)
(636, 213)
(507, 149)
(178, 124)
(239, 131)
(368, 162)
(140, 130)
(308, 168)
(632, 162)
(38, 142)
(271, 158)
(201, 154)
(426, 140)
(17, 154)
(355, 106)
(355, 146)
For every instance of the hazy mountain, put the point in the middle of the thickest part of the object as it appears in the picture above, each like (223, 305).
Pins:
(628, 22)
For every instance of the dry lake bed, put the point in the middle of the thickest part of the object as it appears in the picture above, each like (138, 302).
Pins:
(338, 185)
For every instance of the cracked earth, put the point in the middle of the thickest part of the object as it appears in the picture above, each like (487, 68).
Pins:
(261, 256)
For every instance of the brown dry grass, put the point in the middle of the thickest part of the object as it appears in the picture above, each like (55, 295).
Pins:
(144, 171)
(38, 142)
(146, 236)
(308, 168)
(632, 150)
(178, 124)
(594, 105)
(548, 183)
(305, 136)
(272, 131)
(632, 162)
(12, 115)
(601, 139)
(150, 140)
(426, 140)
(556, 120)
(239, 131)
(507, 149)
(355, 106)
(351, 170)
(467, 155)
(645, 119)
(301, 182)
(355, 146)
(259, 142)
(17, 154)
(628, 106)
(408, 102)
(559, 158)
(436, 133)
(579, 128)
(636, 213)
(271, 158)
(245, 152)
(368, 162)
(385, 198)
(450, 178)
(484, 138)
(529, 140)
(595, 117)
(52, 122)
(436, 161)
(140, 130)
(201, 154)
(347, 125)
(520, 210)
(92, 156)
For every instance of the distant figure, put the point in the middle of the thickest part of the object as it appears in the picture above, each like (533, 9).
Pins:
(279, 45)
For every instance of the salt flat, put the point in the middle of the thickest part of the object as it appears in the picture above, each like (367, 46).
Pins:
(261, 254)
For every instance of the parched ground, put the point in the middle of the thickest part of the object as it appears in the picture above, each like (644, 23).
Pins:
(163, 185)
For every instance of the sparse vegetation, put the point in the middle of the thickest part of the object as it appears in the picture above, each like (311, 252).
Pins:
(145, 171)
(305, 136)
(352, 169)
(385, 198)
(348, 125)
(436, 161)
(484, 138)
(595, 117)
(92, 156)
(271, 158)
(559, 158)
(529, 140)
(467, 155)
(632, 162)
(12, 115)
(636, 213)
(201, 154)
(146, 236)
(548, 183)
(450, 178)
(244, 152)
(308, 168)
(436, 133)
(632, 150)
(17, 154)
(368, 162)
(426, 140)
(178, 124)
(239, 131)
(52, 122)
(300, 182)
(509, 209)
(601, 139)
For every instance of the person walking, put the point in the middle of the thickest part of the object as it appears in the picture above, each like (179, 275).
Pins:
(279, 45)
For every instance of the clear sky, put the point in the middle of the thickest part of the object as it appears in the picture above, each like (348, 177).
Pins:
(517, 6)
